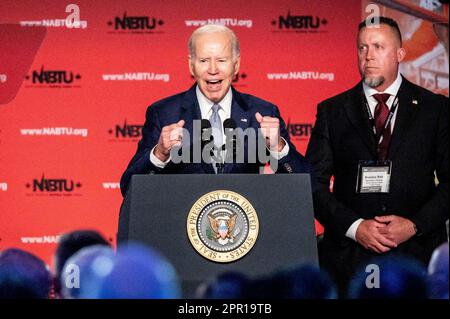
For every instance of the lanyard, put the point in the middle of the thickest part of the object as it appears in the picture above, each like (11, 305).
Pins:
(388, 120)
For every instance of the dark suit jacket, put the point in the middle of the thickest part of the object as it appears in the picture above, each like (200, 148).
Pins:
(185, 106)
(419, 146)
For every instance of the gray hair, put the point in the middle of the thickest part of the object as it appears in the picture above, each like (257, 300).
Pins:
(214, 28)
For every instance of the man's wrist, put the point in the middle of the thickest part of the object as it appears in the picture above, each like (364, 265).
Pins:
(159, 154)
(276, 148)
(281, 144)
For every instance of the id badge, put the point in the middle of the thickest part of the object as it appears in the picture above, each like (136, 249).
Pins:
(373, 176)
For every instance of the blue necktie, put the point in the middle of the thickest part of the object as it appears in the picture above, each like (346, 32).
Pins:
(216, 125)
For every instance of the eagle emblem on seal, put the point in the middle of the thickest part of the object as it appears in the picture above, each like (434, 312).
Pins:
(223, 228)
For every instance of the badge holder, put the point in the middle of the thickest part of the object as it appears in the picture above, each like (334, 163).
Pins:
(373, 176)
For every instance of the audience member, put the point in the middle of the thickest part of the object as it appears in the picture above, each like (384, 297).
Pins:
(140, 273)
(390, 277)
(23, 276)
(83, 273)
(438, 273)
(228, 285)
(71, 242)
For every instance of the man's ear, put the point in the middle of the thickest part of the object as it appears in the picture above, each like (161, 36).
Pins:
(401, 53)
(237, 64)
(191, 65)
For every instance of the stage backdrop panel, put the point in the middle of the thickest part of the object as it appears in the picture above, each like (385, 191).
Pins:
(73, 97)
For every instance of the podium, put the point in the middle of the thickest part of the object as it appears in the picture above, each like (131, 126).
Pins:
(156, 208)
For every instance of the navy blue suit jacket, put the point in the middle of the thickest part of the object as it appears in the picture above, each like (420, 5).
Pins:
(184, 106)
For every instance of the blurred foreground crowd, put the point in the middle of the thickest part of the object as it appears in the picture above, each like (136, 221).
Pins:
(86, 266)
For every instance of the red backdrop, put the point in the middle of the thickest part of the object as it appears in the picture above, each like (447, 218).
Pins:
(63, 140)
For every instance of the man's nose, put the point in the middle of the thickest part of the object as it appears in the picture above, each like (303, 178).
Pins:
(369, 55)
(212, 67)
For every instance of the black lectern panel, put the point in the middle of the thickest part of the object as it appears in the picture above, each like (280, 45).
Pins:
(156, 207)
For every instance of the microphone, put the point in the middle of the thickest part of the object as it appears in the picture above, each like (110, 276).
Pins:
(206, 136)
(205, 132)
(204, 126)
(229, 125)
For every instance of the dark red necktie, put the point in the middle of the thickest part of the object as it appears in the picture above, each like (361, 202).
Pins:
(380, 116)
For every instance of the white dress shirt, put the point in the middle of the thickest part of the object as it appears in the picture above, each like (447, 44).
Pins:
(369, 92)
(224, 113)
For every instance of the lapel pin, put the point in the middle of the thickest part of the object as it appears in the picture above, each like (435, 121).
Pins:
(243, 120)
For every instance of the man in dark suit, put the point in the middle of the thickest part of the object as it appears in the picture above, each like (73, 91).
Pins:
(214, 60)
(383, 141)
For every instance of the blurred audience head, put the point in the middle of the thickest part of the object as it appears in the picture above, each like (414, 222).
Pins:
(389, 277)
(140, 272)
(83, 273)
(438, 273)
(23, 276)
(228, 285)
(71, 242)
(298, 282)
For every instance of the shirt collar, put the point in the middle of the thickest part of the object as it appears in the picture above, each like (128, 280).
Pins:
(206, 104)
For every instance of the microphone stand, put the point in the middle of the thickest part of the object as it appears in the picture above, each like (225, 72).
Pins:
(220, 165)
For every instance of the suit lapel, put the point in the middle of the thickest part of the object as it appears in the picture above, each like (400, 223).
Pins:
(357, 114)
(240, 114)
(190, 111)
(239, 111)
(405, 114)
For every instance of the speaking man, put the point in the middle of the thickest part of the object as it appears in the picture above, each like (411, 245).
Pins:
(214, 59)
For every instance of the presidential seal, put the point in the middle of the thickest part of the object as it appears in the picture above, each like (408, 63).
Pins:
(222, 226)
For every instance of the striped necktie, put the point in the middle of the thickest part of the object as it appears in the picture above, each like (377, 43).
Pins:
(216, 125)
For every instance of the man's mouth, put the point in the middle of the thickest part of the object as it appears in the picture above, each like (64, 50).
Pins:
(371, 69)
(214, 85)
(213, 82)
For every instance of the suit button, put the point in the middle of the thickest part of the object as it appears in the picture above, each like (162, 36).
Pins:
(383, 208)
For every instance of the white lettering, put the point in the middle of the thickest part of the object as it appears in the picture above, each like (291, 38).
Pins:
(73, 276)
(373, 279)
(373, 19)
